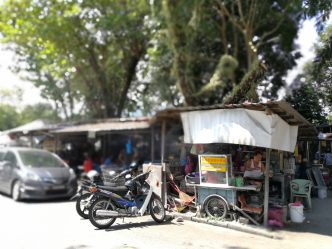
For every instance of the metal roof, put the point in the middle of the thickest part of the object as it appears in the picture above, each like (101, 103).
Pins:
(281, 108)
(36, 125)
(108, 125)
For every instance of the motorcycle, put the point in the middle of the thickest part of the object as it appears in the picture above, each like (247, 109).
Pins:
(84, 197)
(139, 199)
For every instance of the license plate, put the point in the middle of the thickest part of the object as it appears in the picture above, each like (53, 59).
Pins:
(56, 187)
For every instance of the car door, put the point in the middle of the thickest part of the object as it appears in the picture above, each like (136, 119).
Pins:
(9, 165)
(1, 169)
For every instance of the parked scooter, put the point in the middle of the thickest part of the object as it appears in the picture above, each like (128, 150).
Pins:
(84, 195)
(139, 199)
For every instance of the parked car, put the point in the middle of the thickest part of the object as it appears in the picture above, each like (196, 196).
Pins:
(27, 173)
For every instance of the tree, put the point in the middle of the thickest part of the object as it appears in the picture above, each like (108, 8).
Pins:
(306, 100)
(221, 28)
(321, 69)
(313, 95)
(9, 117)
(38, 111)
(203, 36)
(118, 56)
(79, 50)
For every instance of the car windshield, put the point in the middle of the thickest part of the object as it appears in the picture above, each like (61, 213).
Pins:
(40, 159)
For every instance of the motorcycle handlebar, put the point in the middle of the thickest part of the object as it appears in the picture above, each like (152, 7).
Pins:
(141, 175)
(127, 171)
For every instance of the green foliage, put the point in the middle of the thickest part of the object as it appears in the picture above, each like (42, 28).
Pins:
(223, 76)
(321, 70)
(200, 33)
(116, 57)
(38, 111)
(246, 90)
(9, 117)
(79, 50)
(312, 94)
(306, 100)
(321, 9)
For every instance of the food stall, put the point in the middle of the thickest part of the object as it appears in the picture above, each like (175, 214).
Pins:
(269, 126)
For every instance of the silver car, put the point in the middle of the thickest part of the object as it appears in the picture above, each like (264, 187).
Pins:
(27, 173)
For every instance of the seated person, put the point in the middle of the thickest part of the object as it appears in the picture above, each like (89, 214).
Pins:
(254, 167)
(328, 158)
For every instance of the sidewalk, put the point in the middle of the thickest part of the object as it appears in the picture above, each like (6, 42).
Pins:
(318, 220)
(315, 230)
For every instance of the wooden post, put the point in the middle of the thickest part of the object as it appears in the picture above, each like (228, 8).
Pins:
(266, 187)
(319, 151)
(164, 186)
(152, 144)
(163, 131)
(56, 144)
(308, 155)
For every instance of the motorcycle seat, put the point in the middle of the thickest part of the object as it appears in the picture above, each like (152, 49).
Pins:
(114, 188)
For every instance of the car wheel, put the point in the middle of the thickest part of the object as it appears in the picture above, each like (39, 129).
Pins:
(16, 191)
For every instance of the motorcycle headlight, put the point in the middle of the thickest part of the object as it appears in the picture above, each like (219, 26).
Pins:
(33, 176)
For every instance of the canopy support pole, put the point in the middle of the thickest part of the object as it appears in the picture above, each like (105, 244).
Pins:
(163, 131)
(266, 187)
(308, 154)
(164, 193)
(152, 144)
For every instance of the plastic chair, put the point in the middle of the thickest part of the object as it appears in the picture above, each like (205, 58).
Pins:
(301, 188)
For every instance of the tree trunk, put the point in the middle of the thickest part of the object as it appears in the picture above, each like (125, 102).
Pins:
(178, 39)
(130, 75)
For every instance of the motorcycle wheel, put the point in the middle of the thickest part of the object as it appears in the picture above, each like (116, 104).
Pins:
(81, 210)
(100, 221)
(157, 210)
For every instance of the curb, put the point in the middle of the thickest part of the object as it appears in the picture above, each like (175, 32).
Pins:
(232, 225)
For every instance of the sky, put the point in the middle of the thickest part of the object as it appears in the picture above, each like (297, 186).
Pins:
(31, 95)
(10, 80)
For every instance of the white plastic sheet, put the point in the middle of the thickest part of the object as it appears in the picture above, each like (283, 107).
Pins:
(239, 126)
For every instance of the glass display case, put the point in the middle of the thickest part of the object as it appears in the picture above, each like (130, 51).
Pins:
(215, 169)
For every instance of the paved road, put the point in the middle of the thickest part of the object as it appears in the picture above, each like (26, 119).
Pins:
(48, 225)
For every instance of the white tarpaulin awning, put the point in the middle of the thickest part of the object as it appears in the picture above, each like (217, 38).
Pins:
(239, 126)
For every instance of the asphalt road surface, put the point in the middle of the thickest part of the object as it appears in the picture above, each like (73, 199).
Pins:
(55, 224)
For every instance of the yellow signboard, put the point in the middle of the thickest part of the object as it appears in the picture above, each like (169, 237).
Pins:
(213, 163)
(213, 160)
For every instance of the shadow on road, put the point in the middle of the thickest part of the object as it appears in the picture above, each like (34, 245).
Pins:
(46, 201)
(134, 225)
(237, 247)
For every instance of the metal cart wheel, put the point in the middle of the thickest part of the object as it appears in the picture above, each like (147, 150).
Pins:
(215, 206)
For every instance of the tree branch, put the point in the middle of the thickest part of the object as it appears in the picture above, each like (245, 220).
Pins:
(239, 6)
(224, 11)
(247, 85)
(270, 32)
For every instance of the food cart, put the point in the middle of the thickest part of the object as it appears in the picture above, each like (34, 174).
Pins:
(271, 125)
(217, 191)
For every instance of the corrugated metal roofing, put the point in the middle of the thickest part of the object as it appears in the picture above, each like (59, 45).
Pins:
(37, 125)
(111, 125)
(281, 108)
